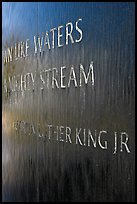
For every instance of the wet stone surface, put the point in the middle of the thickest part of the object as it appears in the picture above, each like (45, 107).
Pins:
(68, 102)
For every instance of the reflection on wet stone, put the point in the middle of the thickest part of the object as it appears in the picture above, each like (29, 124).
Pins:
(68, 112)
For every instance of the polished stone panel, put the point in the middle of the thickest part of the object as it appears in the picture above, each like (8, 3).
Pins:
(68, 101)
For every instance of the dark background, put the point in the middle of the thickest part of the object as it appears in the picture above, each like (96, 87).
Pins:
(35, 169)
